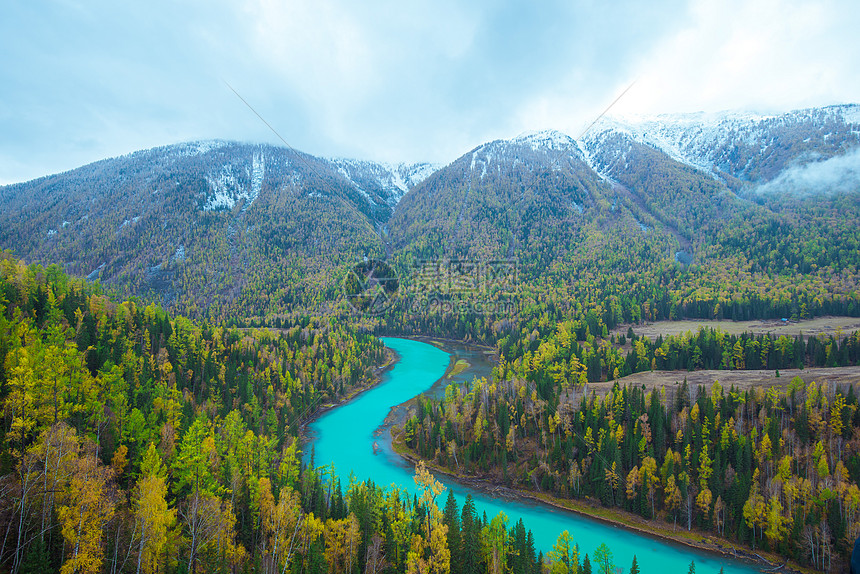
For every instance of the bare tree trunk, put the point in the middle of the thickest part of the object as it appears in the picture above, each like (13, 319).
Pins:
(140, 549)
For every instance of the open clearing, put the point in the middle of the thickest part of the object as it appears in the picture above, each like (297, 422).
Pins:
(809, 327)
(740, 379)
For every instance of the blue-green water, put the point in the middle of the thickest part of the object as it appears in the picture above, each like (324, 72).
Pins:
(349, 434)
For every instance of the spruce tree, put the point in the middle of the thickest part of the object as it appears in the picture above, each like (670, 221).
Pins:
(452, 521)
(586, 565)
(470, 536)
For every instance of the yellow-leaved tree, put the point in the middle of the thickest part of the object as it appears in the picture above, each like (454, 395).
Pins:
(281, 522)
(87, 506)
(429, 553)
(154, 517)
(342, 538)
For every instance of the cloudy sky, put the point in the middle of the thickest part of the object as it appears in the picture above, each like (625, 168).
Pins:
(394, 80)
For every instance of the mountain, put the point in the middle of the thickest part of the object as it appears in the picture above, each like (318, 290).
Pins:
(743, 149)
(207, 226)
(657, 217)
(380, 183)
(485, 202)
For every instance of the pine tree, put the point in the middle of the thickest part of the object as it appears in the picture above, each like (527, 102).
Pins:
(586, 565)
(36, 559)
(452, 521)
(470, 537)
(634, 568)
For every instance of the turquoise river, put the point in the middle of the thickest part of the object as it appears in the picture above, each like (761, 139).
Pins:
(350, 437)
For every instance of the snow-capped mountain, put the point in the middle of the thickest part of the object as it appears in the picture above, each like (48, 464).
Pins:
(204, 221)
(499, 198)
(749, 147)
(213, 207)
(549, 149)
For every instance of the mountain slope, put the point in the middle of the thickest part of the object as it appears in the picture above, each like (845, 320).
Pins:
(744, 149)
(662, 220)
(208, 226)
(501, 200)
(383, 184)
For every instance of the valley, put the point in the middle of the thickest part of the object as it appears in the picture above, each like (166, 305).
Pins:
(655, 324)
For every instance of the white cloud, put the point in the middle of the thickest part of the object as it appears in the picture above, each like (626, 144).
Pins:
(833, 175)
(390, 80)
(764, 55)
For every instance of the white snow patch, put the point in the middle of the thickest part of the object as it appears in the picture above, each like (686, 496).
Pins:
(549, 139)
(258, 171)
(421, 171)
(200, 147)
(379, 180)
(851, 114)
(227, 189)
(398, 181)
(224, 188)
(179, 255)
(66, 223)
(52, 232)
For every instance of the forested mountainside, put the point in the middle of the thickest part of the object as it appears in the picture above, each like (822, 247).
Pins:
(208, 228)
(136, 439)
(615, 223)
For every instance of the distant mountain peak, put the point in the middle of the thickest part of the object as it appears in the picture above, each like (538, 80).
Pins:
(382, 183)
(748, 147)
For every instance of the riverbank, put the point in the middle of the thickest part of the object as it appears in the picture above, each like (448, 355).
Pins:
(343, 437)
(615, 517)
(391, 359)
(440, 342)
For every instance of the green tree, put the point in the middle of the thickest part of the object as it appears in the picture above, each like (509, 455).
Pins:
(603, 558)
(564, 555)
(586, 565)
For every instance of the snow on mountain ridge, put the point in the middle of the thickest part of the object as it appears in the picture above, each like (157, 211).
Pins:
(388, 183)
(713, 141)
(228, 189)
(550, 139)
